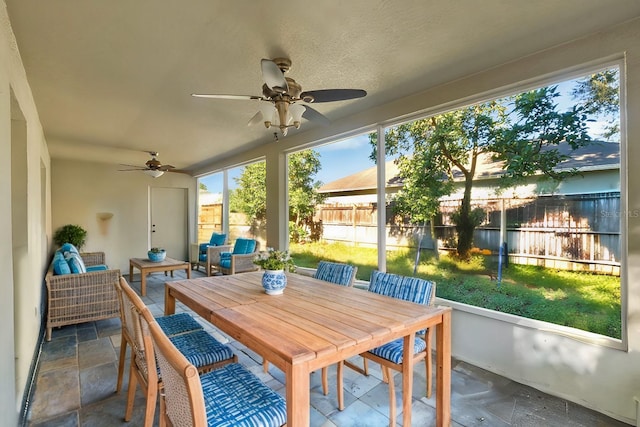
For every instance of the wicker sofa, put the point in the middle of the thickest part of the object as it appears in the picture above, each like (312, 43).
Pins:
(81, 297)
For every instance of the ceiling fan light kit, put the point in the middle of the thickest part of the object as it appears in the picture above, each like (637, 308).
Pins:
(282, 95)
(152, 167)
(154, 173)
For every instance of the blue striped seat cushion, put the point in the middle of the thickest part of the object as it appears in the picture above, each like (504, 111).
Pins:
(201, 349)
(393, 350)
(233, 396)
(334, 272)
(175, 324)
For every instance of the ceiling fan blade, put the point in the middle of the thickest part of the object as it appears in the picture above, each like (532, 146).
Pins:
(330, 95)
(273, 76)
(256, 119)
(314, 115)
(178, 171)
(220, 96)
(128, 170)
(165, 168)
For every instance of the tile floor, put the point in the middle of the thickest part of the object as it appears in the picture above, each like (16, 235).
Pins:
(77, 372)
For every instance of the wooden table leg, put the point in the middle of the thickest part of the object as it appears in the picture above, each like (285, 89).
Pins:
(443, 375)
(407, 379)
(143, 282)
(169, 302)
(297, 378)
(130, 272)
(188, 270)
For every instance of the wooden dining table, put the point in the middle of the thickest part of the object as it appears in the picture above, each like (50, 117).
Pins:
(314, 324)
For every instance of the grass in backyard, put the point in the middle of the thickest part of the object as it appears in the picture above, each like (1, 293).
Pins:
(580, 300)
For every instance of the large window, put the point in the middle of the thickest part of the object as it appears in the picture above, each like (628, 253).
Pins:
(521, 196)
(511, 204)
(333, 205)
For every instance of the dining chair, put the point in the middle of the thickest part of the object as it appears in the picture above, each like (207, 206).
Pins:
(345, 275)
(389, 356)
(228, 396)
(174, 324)
(198, 346)
(335, 272)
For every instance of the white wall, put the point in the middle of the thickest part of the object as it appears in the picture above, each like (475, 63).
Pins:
(23, 246)
(81, 190)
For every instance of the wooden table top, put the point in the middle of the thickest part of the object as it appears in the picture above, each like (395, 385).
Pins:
(311, 320)
(167, 262)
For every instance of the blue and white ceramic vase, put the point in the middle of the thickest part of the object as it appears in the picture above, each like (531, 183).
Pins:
(274, 281)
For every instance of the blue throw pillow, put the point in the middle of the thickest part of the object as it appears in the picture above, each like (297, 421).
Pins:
(60, 265)
(69, 248)
(75, 263)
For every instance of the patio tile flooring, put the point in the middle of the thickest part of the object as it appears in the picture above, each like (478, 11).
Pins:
(76, 382)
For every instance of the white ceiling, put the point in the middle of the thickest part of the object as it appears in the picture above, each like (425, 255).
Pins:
(112, 79)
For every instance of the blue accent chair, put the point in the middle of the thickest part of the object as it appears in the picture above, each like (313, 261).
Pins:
(389, 355)
(217, 239)
(201, 349)
(225, 260)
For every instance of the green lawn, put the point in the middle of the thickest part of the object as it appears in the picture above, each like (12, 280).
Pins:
(585, 301)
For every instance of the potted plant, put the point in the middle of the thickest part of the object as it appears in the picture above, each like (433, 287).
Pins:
(275, 263)
(156, 254)
(70, 233)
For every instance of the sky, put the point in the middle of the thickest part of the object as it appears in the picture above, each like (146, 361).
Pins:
(351, 155)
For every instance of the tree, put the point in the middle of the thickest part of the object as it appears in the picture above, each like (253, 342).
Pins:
(431, 153)
(600, 95)
(203, 187)
(250, 197)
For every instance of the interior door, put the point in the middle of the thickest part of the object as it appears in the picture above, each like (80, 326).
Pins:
(169, 225)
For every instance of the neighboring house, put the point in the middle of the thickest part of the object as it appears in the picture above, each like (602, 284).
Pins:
(599, 164)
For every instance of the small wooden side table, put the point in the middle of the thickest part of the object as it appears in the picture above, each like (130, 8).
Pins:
(146, 266)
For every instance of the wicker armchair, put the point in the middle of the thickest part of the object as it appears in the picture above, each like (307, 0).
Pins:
(85, 297)
(235, 259)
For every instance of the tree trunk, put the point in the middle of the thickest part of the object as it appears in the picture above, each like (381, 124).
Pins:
(465, 226)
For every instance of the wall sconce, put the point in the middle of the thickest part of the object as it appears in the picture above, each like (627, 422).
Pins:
(103, 221)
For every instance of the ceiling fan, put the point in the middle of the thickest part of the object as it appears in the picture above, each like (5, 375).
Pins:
(152, 167)
(283, 95)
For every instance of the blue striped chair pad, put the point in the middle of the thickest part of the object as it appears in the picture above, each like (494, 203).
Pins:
(201, 349)
(333, 272)
(233, 396)
(175, 324)
(411, 289)
(393, 350)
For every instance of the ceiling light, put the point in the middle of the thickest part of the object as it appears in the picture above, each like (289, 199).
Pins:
(154, 173)
(286, 114)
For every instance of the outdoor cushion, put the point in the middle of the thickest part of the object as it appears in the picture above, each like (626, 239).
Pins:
(75, 263)
(233, 396)
(393, 350)
(99, 267)
(244, 246)
(176, 324)
(201, 349)
(217, 239)
(69, 248)
(60, 265)
(411, 289)
(334, 272)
